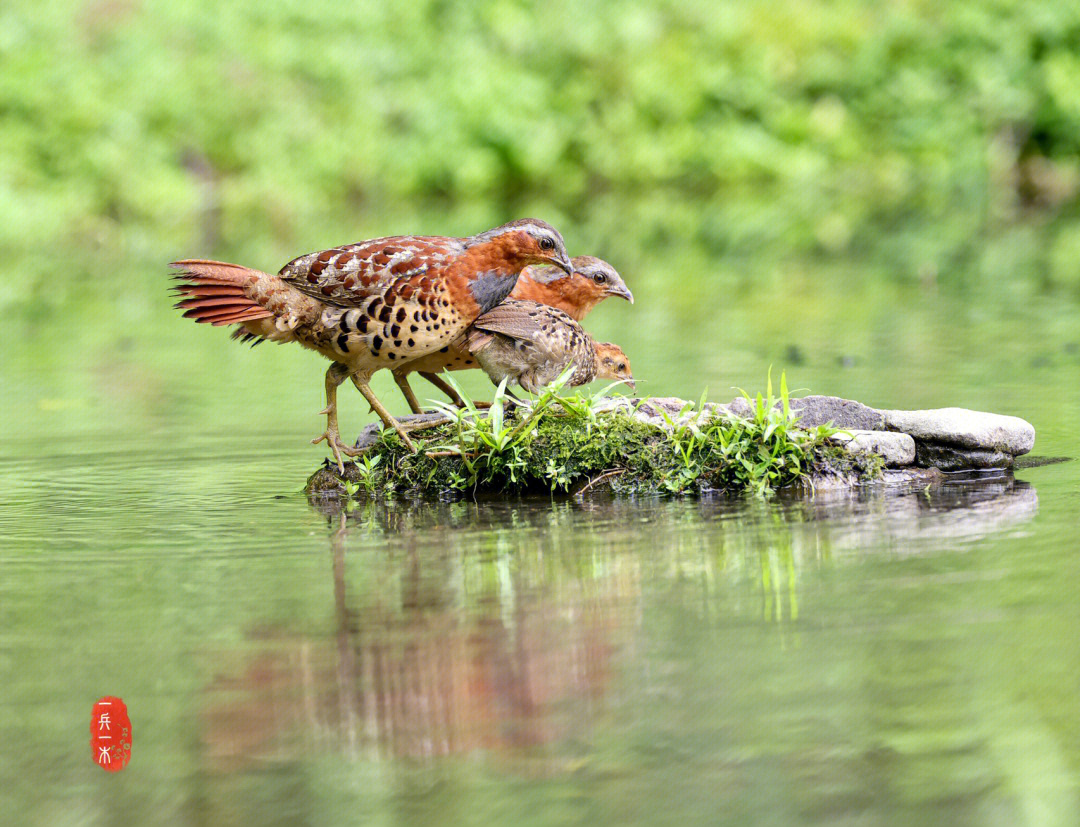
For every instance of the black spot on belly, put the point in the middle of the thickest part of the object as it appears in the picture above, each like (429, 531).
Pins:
(413, 328)
(361, 324)
(343, 342)
(445, 350)
(376, 343)
(411, 343)
(384, 314)
(397, 342)
(401, 314)
(392, 355)
(395, 331)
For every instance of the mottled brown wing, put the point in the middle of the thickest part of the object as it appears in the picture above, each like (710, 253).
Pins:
(347, 276)
(545, 330)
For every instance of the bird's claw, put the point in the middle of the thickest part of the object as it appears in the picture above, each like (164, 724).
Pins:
(333, 440)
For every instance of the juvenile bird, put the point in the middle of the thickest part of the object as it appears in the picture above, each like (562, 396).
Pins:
(532, 344)
(370, 305)
(592, 281)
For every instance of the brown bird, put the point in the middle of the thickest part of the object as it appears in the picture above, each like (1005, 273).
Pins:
(592, 281)
(370, 305)
(532, 344)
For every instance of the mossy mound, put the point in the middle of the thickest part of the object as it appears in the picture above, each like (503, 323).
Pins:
(571, 445)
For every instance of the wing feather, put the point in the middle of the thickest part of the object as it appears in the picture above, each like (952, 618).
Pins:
(539, 328)
(347, 276)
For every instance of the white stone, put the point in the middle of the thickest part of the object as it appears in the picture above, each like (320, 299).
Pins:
(897, 449)
(969, 429)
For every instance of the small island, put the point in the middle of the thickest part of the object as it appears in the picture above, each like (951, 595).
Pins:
(669, 446)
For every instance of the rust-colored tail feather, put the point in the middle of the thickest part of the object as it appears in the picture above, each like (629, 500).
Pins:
(215, 292)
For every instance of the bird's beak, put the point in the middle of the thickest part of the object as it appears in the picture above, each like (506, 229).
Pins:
(563, 263)
(624, 292)
(630, 382)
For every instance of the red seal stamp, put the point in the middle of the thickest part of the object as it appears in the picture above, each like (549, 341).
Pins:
(110, 734)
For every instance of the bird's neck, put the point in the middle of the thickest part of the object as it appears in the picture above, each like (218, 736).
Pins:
(565, 294)
(492, 269)
(493, 256)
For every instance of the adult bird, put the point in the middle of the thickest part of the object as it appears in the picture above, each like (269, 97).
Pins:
(370, 305)
(532, 344)
(592, 281)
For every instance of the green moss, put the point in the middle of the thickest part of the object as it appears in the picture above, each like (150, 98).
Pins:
(561, 444)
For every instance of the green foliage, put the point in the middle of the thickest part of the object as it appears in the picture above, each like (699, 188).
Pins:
(912, 132)
(559, 443)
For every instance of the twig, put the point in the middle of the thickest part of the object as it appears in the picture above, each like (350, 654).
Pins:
(614, 472)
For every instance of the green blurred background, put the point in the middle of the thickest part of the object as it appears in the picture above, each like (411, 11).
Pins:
(939, 140)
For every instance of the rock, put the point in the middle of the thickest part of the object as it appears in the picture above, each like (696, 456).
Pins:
(897, 449)
(966, 429)
(951, 458)
(371, 433)
(842, 413)
(820, 410)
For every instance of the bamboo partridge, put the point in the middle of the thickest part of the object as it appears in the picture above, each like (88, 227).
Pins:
(370, 305)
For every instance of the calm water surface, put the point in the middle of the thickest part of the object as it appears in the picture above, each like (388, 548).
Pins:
(902, 657)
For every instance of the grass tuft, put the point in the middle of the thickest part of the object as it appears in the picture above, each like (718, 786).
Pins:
(561, 443)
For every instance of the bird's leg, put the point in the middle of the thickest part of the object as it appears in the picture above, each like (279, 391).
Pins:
(377, 406)
(445, 387)
(335, 375)
(402, 380)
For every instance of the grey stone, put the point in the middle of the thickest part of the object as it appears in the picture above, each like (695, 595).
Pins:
(842, 413)
(371, 433)
(820, 410)
(966, 429)
(897, 449)
(952, 458)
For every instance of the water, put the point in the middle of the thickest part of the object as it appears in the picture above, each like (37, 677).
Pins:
(902, 657)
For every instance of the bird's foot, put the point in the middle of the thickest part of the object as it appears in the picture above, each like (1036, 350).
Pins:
(333, 440)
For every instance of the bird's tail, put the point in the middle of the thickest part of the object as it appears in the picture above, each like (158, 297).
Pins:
(218, 293)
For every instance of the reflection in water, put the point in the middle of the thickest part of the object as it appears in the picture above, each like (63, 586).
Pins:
(423, 675)
(511, 635)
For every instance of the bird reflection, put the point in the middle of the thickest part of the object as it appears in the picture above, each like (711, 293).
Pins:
(501, 625)
(412, 672)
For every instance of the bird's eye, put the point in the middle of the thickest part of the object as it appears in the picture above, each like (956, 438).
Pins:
(547, 244)
(621, 367)
(599, 278)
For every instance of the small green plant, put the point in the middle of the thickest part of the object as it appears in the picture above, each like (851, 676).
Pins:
(558, 443)
(365, 467)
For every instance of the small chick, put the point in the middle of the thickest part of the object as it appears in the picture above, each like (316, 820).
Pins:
(532, 344)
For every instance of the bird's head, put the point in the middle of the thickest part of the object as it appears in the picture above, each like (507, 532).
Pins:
(528, 241)
(611, 363)
(593, 280)
(603, 279)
